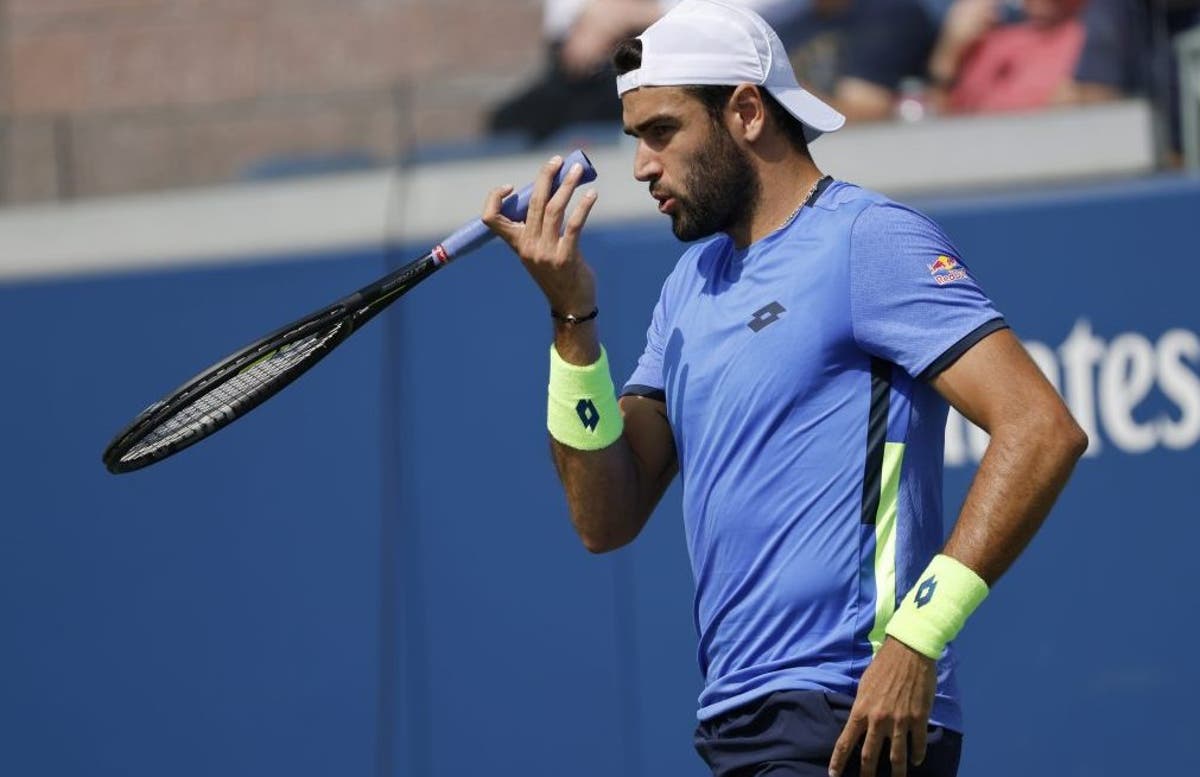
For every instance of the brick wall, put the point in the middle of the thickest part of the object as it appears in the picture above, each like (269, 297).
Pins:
(109, 96)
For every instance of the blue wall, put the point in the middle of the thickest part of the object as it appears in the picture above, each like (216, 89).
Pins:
(374, 574)
(217, 614)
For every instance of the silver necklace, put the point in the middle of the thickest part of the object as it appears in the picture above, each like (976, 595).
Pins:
(803, 201)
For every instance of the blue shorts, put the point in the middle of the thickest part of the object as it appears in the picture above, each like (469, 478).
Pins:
(792, 734)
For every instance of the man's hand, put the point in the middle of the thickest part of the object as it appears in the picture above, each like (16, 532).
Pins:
(893, 703)
(549, 251)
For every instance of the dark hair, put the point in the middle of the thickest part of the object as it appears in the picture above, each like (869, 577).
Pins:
(628, 56)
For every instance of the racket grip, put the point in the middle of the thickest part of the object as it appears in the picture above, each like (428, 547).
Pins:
(515, 206)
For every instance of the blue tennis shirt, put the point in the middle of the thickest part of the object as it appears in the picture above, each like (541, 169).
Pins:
(795, 374)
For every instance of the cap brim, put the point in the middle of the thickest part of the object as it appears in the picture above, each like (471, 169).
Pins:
(815, 114)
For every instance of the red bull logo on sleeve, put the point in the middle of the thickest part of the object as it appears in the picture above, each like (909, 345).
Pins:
(946, 269)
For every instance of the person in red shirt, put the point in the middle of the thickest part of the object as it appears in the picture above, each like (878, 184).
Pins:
(981, 65)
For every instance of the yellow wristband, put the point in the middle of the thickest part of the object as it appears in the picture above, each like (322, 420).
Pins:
(581, 408)
(936, 608)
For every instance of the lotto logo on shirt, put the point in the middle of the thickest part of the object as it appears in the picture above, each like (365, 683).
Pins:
(946, 269)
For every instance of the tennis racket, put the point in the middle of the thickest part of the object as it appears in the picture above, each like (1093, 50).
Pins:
(237, 384)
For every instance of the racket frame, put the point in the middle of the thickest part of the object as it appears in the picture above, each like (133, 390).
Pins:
(350, 313)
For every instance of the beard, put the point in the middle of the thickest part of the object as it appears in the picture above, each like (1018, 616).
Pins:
(722, 190)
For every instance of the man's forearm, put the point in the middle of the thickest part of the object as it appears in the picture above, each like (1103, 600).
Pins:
(610, 491)
(1022, 473)
(602, 493)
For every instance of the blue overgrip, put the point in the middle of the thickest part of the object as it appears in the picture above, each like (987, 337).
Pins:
(476, 233)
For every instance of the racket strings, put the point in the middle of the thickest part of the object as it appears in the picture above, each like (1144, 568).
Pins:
(218, 407)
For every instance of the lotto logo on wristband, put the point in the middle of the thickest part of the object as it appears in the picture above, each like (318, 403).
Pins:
(588, 414)
(925, 591)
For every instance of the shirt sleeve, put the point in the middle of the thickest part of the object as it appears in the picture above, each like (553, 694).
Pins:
(647, 378)
(913, 301)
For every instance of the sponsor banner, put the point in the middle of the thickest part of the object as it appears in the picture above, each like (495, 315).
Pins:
(1132, 392)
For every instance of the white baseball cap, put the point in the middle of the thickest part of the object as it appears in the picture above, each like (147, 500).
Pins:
(710, 42)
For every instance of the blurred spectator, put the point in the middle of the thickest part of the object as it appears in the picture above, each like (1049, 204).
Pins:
(589, 29)
(983, 65)
(817, 37)
(890, 45)
(577, 85)
(897, 43)
(861, 54)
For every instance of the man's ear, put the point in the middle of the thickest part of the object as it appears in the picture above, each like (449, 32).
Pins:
(747, 112)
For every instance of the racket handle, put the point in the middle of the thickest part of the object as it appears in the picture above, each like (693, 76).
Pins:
(515, 206)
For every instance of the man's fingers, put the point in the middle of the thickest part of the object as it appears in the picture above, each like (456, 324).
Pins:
(918, 734)
(845, 745)
(578, 219)
(872, 744)
(540, 195)
(557, 205)
(899, 750)
(492, 217)
(539, 234)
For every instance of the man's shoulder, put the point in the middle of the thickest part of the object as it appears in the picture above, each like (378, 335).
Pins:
(844, 196)
(863, 211)
(870, 212)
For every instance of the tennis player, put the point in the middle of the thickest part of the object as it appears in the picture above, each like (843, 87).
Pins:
(797, 371)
